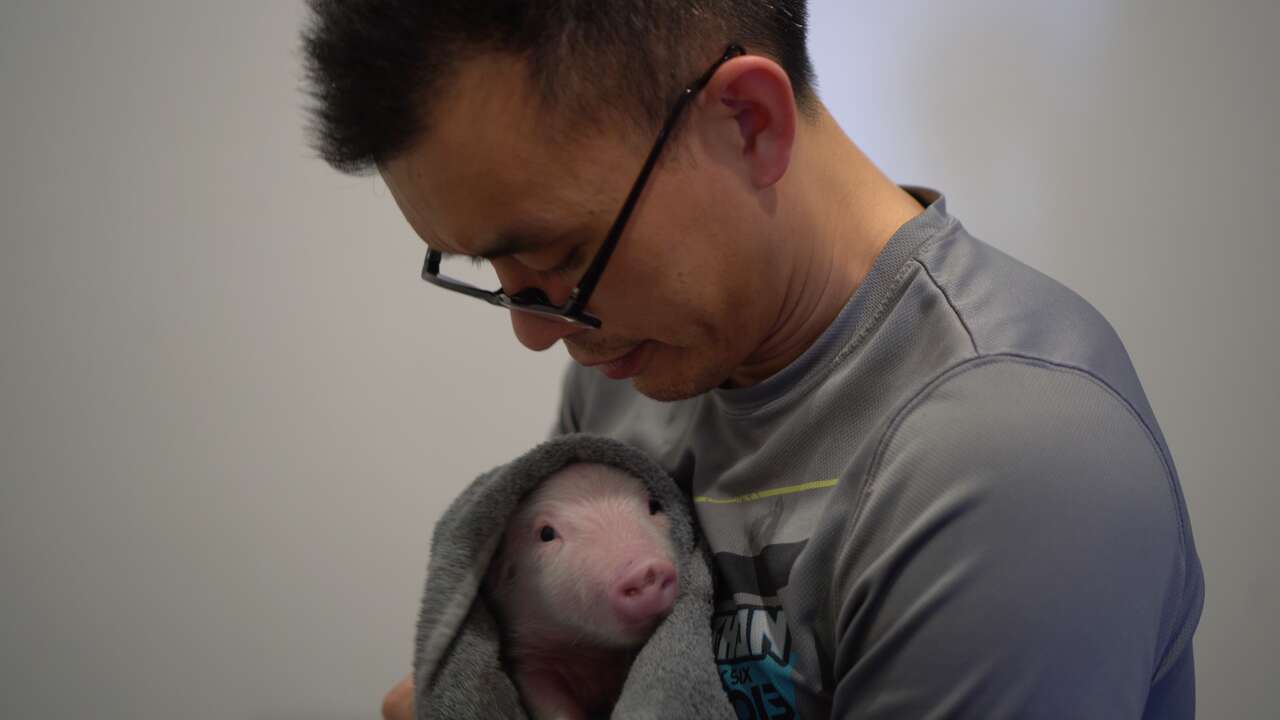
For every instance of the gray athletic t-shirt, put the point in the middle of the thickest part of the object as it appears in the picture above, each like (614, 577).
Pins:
(957, 503)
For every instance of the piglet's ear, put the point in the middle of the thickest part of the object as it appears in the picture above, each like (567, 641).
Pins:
(502, 572)
(493, 575)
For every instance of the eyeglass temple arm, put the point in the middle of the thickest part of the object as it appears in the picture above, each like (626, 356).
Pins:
(592, 276)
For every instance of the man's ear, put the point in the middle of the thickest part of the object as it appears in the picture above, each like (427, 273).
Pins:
(756, 92)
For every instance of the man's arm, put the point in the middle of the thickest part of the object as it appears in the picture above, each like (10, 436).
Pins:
(1019, 552)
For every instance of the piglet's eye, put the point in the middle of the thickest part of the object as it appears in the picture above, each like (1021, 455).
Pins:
(547, 534)
(655, 507)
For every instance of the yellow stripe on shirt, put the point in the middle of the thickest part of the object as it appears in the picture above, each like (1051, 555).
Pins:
(771, 492)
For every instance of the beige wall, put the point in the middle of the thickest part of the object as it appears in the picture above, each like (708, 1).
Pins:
(230, 410)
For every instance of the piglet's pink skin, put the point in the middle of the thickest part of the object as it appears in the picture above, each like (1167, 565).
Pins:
(585, 573)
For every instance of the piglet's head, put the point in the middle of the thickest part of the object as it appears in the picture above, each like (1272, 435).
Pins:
(586, 560)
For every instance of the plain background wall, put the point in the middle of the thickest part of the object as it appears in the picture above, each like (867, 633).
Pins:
(231, 411)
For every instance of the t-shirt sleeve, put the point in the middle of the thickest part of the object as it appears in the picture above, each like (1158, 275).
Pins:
(1017, 551)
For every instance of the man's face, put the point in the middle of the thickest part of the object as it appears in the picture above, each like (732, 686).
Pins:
(679, 300)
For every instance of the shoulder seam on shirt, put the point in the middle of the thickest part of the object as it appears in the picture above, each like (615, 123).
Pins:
(950, 304)
(905, 410)
(895, 287)
(870, 323)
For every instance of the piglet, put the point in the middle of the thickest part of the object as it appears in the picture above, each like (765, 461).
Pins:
(584, 574)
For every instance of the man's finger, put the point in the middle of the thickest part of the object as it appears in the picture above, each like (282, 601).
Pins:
(398, 704)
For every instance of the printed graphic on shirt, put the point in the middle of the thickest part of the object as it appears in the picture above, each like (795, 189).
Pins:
(752, 640)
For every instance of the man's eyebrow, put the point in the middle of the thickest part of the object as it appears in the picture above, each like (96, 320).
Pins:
(512, 244)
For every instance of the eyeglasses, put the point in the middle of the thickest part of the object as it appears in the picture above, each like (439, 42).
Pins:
(535, 301)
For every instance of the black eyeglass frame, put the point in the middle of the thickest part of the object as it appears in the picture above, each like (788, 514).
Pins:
(533, 300)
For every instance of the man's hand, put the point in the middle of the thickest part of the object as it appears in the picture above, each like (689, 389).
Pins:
(398, 704)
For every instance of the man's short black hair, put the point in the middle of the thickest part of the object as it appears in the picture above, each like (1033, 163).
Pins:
(373, 64)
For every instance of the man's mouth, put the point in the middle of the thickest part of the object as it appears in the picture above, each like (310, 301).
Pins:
(619, 367)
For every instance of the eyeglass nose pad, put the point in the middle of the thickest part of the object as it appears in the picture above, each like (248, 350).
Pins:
(531, 296)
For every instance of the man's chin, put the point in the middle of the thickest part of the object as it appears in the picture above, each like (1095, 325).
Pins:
(666, 387)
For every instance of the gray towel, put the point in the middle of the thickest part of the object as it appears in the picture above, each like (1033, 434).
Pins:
(457, 668)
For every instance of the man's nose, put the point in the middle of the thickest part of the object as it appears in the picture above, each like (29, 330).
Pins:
(539, 333)
(535, 332)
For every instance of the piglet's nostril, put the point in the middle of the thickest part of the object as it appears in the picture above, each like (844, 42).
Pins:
(645, 592)
(638, 586)
(638, 580)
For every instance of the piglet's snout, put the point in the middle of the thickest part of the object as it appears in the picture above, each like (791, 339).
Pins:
(645, 592)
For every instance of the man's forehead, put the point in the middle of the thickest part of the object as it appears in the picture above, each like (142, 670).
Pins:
(489, 162)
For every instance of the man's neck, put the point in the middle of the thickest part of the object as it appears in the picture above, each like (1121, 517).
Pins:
(843, 212)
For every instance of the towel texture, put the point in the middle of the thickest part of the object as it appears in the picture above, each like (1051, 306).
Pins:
(457, 667)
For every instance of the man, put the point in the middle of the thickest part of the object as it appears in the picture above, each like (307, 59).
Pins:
(930, 477)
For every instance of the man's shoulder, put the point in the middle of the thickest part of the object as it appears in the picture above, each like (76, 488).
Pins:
(1003, 405)
(1010, 307)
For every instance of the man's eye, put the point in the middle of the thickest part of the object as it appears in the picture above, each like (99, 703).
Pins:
(567, 265)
